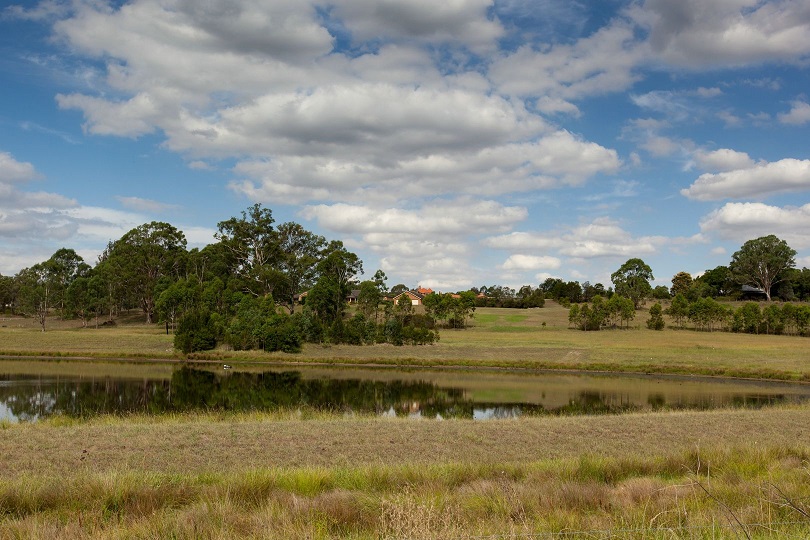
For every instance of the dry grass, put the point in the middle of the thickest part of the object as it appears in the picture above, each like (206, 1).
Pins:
(711, 493)
(219, 443)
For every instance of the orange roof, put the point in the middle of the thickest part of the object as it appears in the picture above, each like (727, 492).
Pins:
(422, 290)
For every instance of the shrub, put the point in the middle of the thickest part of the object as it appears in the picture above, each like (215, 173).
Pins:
(196, 331)
(656, 320)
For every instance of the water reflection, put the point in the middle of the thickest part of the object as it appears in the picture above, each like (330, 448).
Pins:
(426, 395)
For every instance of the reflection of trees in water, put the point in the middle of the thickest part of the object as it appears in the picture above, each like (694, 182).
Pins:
(194, 389)
(31, 399)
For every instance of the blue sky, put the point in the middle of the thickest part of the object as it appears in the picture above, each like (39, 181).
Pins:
(451, 144)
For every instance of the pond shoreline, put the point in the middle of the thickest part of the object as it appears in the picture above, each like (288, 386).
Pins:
(415, 366)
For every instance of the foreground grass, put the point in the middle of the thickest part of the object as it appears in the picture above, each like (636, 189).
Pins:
(656, 475)
(501, 338)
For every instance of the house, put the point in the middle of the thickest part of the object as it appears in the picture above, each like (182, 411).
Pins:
(415, 297)
(353, 296)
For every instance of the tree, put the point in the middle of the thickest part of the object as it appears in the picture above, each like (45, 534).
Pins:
(398, 288)
(64, 266)
(85, 298)
(35, 292)
(143, 256)
(369, 298)
(660, 292)
(762, 262)
(300, 252)
(679, 309)
(254, 247)
(681, 283)
(719, 279)
(656, 320)
(7, 289)
(337, 270)
(632, 280)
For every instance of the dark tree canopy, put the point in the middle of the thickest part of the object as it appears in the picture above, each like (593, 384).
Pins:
(763, 262)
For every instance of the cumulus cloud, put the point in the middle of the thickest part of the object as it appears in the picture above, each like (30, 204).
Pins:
(429, 244)
(531, 262)
(695, 33)
(603, 237)
(12, 170)
(722, 160)
(601, 63)
(798, 115)
(757, 180)
(744, 221)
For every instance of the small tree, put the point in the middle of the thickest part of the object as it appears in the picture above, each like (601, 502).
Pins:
(656, 320)
(679, 310)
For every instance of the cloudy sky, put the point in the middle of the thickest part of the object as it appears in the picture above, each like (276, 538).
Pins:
(452, 144)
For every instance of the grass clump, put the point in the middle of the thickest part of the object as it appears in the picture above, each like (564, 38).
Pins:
(671, 497)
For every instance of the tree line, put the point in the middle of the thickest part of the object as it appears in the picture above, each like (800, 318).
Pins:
(241, 290)
(763, 267)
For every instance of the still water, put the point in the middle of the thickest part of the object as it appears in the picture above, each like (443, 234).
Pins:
(33, 390)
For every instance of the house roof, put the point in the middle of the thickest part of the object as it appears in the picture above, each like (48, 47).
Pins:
(415, 295)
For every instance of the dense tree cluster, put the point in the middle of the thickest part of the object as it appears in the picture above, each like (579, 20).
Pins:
(615, 312)
(507, 297)
(241, 290)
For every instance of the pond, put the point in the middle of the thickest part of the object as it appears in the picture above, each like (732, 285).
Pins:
(33, 390)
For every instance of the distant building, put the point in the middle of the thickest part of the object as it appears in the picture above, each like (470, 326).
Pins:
(415, 297)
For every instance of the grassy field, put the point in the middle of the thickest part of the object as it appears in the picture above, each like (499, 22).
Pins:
(497, 338)
(657, 475)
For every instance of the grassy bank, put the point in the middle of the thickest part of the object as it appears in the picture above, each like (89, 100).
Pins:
(657, 475)
(497, 338)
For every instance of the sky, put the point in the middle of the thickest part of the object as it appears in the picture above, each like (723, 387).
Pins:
(451, 144)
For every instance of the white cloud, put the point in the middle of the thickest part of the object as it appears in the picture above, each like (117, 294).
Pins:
(708, 92)
(603, 237)
(744, 221)
(697, 33)
(601, 63)
(759, 180)
(430, 244)
(798, 115)
(729, 118)
(522, 241)
(12, 170)
(722, 160)
(145, 205)
(530, 262)
(199, 165)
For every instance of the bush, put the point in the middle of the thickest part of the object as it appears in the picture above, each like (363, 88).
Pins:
(196, 331)
(281, 334)
(656, 320)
